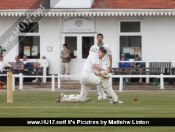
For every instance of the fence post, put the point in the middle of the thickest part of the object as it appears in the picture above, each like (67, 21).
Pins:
(147, 66)
(53, 82)
(121, 84)
(44, 73)
(20, 81)
(59, 81)
(13, 83)
(161, 81)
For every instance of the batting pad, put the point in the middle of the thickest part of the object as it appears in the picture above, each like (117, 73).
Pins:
(104, 82)
(75, 100)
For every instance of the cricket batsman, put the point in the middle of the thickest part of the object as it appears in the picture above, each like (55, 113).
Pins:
(93, 74)
(107, 62)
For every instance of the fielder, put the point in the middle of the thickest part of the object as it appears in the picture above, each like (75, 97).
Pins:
(93, 74)
(107, 62)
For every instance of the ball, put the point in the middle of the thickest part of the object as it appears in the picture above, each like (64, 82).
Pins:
(135, 99)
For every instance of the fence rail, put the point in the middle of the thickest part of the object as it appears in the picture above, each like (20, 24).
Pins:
(53, 77)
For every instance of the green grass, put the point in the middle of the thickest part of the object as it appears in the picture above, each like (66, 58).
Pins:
(43, 104)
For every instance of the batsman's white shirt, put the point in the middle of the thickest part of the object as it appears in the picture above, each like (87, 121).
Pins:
(88, 76)
(92, 59)
(105, 59)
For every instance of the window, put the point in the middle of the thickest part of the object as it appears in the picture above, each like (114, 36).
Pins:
(31, 27)
(87, 42)
(29, 44)
(72, 46)
(79, 45)
(130, 27)
(130, 38)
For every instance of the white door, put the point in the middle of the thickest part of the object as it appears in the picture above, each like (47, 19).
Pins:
(79, 45)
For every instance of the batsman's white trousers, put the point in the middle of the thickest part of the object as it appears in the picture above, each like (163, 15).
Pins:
(87, 79)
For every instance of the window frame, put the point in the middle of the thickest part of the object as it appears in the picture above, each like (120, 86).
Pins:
(129, 33)
(79, 44)
(132, 33)
(29, 34)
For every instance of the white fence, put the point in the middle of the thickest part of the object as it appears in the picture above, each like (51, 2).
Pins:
(44, 65)
(53, 77)
(147, 65)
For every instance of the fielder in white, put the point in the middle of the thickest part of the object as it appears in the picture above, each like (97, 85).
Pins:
(92, 74)
(107, 62)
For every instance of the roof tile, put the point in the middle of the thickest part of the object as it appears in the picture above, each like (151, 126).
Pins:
(20, 4)
(134, 4)
(101, 4)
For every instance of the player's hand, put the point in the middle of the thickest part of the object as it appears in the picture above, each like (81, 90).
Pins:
(102, 73)
(105, 71)
(110, 69)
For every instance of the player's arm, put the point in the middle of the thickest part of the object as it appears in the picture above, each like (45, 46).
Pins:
(96, 66)
(102, 72)
(94, 61)
(110, 59)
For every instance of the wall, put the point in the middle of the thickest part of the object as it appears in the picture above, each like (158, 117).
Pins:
(5, 23)
(158, 38)
(50, 28)
(158, 41)
(108, 26)
(49, 32)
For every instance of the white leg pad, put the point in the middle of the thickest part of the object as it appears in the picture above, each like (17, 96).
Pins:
(105, 83)
(111, 93)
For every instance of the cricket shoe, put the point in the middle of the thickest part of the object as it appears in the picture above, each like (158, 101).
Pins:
(60, 97)
(104, 95)
(118, 102)
(100, 98)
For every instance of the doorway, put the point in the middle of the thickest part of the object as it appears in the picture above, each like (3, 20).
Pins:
(79, 46)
